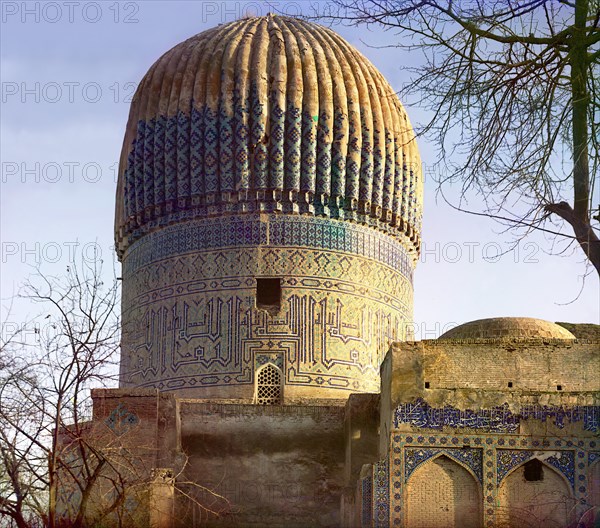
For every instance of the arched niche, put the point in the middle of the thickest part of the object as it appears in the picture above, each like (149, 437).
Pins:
(442, 493)
(534, 495)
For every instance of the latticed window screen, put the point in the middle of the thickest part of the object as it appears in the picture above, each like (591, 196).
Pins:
(268, 390)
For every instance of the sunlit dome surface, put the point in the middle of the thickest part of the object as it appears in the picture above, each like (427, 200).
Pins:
(268, 114)
(508, 328)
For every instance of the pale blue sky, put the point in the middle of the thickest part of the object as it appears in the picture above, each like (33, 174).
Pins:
(68, 69)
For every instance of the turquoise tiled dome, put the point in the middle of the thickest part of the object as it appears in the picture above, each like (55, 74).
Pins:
(268, 114)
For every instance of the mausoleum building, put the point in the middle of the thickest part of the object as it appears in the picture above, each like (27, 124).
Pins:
(268, 219)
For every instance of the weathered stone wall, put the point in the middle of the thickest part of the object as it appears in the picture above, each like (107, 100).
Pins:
(531, 365)
(485, 373)
(361, 433)
(268, 466)
(582, 330)
(490, 406)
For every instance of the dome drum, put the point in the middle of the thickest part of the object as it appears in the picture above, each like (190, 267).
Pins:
(196, 323)
(265, 153)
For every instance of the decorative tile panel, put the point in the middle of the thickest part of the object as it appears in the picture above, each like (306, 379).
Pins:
(381, 494)
(470, 457)
(367, 502)
(121, 420)
(497, 419)
(563, 461)
(189, 311)
(499, 453)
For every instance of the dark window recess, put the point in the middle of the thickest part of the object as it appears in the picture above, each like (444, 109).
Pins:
(533, 470)
(510, 384)
(268, 293)
(426, 384)
(559, 387)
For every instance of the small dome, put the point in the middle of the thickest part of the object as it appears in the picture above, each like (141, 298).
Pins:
(508, 328)
(267, 114)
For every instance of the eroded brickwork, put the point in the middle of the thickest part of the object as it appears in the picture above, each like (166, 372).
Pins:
(536, 504)
(443, 494)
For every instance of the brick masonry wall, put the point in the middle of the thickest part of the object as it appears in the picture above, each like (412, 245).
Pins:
(530, 365)
(442, 494)
(143, 419)
(482, 373)
(538, 504)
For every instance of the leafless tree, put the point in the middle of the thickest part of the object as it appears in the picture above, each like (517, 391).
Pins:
(58, 467)
(46, 367)
(513, 89)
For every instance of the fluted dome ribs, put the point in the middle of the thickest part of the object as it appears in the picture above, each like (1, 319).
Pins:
(267, 114)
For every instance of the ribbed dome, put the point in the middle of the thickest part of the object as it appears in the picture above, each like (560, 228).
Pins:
(508, 328)
(267, 114)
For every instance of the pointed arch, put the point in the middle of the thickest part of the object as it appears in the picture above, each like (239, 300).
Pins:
(545, 502)
(269, 385)
(451, 456)
(444, 493)
(545, 465)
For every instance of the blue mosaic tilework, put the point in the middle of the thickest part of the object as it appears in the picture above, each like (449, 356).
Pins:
(470, 457)
(162, 184)
(565, 463)
(263, 359)
(189, 312)
(501, 453)
(283, 231)
(367, 502)
(497, 419)
(121, 420)
(381, 494)
(508, 459)
(255, 146)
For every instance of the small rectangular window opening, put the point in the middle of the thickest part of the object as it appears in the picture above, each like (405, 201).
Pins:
(559, 387)
(426, 384)
(510, 384)
(268, 293)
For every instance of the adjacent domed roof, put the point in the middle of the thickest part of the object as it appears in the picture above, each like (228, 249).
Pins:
(508, 328)
(267, 114)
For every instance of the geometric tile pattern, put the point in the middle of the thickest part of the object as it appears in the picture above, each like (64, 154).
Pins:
(500, 454)
(564, 461)
(367, 502)
(120, 420)
(189, 315)
(274, 359)
(241, 231)
(254, 132)
(497, 419)
(381, 494)
(469, 457)
(508, 459)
